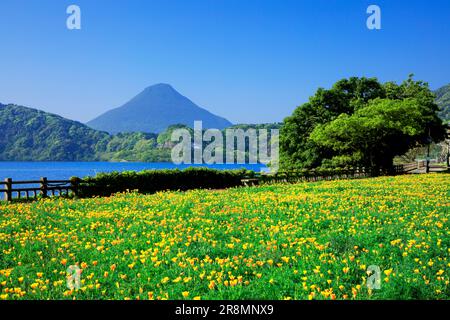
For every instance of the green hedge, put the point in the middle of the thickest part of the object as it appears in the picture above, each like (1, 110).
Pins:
(150, 181)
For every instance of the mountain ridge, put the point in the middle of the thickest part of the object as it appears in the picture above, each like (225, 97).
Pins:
(153, 110)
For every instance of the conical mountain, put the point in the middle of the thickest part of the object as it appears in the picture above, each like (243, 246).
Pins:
(155, 109)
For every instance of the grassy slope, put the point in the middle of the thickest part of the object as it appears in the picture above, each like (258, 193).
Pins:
(312, 240)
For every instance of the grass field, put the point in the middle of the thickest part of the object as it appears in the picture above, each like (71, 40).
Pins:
(301, 241)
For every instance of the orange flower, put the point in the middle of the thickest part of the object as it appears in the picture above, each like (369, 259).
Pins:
(113, 267)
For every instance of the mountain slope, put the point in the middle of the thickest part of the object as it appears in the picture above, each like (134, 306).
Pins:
(443, 101)
(33, 135)
(155, 109)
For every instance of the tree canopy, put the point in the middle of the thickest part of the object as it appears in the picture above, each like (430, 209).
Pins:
(360, 122)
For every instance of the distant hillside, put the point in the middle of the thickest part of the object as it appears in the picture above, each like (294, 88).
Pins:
(33, 135)
(29, 134)
(443, 101)
(154, 110)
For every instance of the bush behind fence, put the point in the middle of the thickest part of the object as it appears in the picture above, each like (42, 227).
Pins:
(150, 181)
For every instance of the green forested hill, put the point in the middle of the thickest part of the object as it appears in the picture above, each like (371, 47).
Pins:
(443, 101)
(33, 135)
(29, 134)
(136, 146)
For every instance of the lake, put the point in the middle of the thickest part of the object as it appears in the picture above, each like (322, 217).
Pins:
(65, 170)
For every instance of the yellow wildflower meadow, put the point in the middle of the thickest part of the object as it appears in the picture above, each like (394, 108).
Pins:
(283, 241)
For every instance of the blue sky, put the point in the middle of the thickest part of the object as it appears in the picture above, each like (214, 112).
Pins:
(250, 61)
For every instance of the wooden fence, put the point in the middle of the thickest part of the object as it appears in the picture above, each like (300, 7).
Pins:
(405, 168)
(309, 176)
(43, 187)
(312, 175)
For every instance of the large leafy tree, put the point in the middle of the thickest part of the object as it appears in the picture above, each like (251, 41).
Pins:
(360, 122)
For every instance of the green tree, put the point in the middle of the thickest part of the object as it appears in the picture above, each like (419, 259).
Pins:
(360, 122)
(373, 135)
(347, 95)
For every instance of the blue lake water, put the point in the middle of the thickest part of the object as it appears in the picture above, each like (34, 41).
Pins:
(65, 170)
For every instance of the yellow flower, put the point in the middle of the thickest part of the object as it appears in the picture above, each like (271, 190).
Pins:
(388, 272)
(285, 259)
(187, 279)
(185, 294)
(176, 280)
(165, 280)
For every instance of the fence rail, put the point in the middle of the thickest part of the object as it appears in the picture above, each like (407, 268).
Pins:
(44, 189)
(310, 176)
(405, 168)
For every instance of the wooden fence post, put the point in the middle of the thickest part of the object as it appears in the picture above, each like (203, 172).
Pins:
(74, 186)
(8, 187)
(44, 187)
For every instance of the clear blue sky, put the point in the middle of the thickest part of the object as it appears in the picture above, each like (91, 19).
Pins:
(247, 60)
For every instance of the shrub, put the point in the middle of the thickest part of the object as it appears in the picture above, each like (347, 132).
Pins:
(150, 181)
